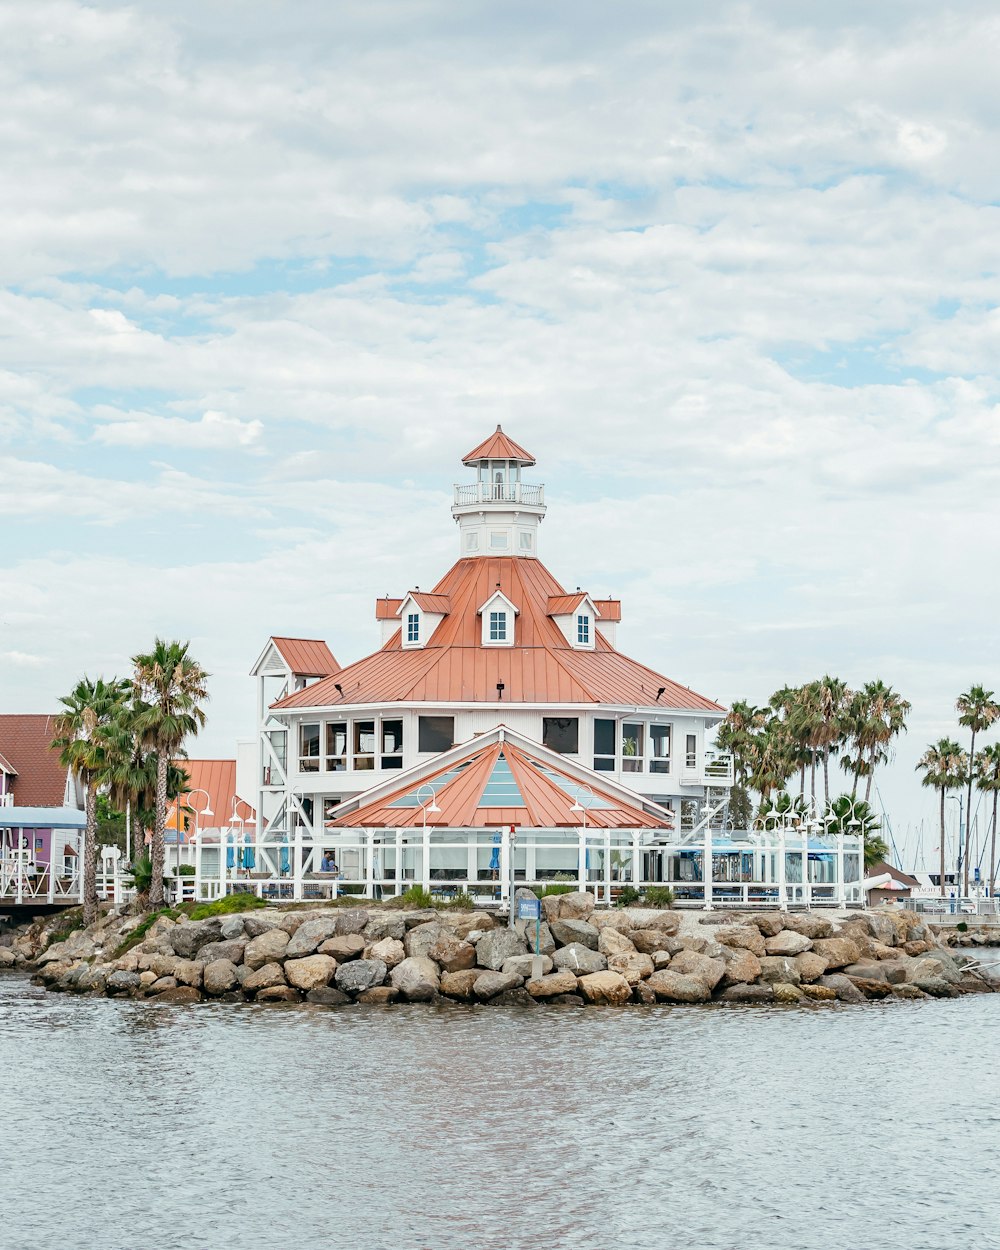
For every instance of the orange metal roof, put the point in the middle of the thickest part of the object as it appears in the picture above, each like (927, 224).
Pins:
(563, 605)
(439, 604)
(610, 609)
(24, 742)
(307, 657)
(387, 609)
(541, 793)
(454, 666)
(499, 447)
(218, 779)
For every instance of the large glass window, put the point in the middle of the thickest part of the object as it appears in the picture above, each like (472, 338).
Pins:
(392, 744)
(436, 733)
(413, 627)
(583, 630)
(364, 745)
(659, 748)
(632, 746)
(498, 627)
(561, 733)
(309, 748)
(604, 746)
(336, 746)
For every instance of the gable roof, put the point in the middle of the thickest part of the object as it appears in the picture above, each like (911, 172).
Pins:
(500, 779)
(541, 667)
(437, 605)
(24, 744)
(563, 605)
(307, 657)
(499, 447)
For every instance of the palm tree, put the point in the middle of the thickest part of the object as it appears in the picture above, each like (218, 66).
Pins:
(849, 815)
(988, 780)
(172, 687)
(978, 710)
(875, 715)
(944, 764)
(83, 735)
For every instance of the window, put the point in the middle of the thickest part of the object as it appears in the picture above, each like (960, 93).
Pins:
(659, 748)
(413, 627)
(498, 627)
(330, 808)
(604, 746)
(691, 751)
(364, 745)
(436, 733)
(561, 733)
(632, 747)
(392, 744)
(309, 748)
(336, 746)
(472, 542)
(498, 540)
(525, 542)
(583, 630)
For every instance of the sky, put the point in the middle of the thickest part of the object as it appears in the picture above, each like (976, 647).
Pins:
(730, 271)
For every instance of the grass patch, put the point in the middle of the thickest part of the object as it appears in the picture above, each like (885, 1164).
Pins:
(549, 891)
(416, 897)
(69, 922)
(226, 906)
(141, 929)
(628, 895)
(462, 901)
(658, 896)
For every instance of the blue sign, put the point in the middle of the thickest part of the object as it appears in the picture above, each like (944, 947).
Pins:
(529, 909)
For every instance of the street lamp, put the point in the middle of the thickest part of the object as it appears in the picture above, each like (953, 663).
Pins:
(205, 811)
(580, 807)
(428, 805)
(957, 798)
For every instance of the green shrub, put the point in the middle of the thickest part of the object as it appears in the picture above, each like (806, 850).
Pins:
(962, 927)
(547, 891)
(142, 875)
(226, 906)
(461, 902)
(186, 870)
(415, 897)
(658, 896)
(627, 896)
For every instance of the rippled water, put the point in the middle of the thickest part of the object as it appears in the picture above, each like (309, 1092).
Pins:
(128, 1125)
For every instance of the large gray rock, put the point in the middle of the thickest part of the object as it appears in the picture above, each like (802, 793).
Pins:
(702, 967)
(613, 942)
(231, 950)
(390, 950)
(352, 920)
(868, 971)
(423, 915)
(420, 939)
(606, 989)
(189, 972)
(496, 946)
(649, 941)
(579, 959)
(787, 942)
(568, 931)
(308, 937)
(522, 964)
(188, 939)
(268, 948)
(673, 987)
(743, 937)
(343, 948)
(779, 970)
(328, 996)
(843, 987)
(557, 984)
(577, 905)
(809, 924)
(469, 922)
(310, 972)
(219, 977)
(77, 946)
(744, 993)
(632, 965)
(837, 951)
(384, 925)
(453, 954)
(255, 923)
(489, 984)
(360, 975)
(263, 978)
(810, 965)
(230, 928)
(123, 983)
(937, 963)
(417, 978)
(742, 967)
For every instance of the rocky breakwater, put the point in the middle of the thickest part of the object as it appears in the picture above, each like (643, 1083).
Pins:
(336, 956)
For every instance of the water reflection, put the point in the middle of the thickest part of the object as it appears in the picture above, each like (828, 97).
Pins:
(220, 1126)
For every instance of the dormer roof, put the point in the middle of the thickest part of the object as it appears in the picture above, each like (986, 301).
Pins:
(498, 594)
(436, 605)
(306, 657)
(565, 605)
(499, 447)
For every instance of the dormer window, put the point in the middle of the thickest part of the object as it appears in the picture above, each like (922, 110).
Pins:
(583, 630)
(498, 627)
(498, 616)
(413, 628)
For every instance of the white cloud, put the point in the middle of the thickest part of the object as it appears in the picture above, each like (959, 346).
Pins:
(214, 430)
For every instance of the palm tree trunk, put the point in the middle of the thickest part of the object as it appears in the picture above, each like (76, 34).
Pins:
(868, 779)
(993, 847)
(968, 818)
(90, 858)
(941, 848)
(802, 781)
(156, 884)
(826, 774)
(812, 772)
(138, 838)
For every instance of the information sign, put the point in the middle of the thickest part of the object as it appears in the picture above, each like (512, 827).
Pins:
(529, 909)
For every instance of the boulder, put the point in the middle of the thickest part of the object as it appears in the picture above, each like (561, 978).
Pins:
(809, 924)
(837, 951)
(379, 995)
(936, 963)
(881, 951)
(77, 946)
(644, 993)
(566, 932)
(420, 939)
(633, 966)
(672, 987)
(231, 950)
(905, 990)
(614, 942)
(786, 993)
(579, 959)
(498, 945)
(417, 978)
(606, 989)
(895, 971)
(360, 974)
(523, 964)
(660, 959)
(701, 946)
(810, 965)
(743, 937)
(870, 986)
(459, 984)
(219, 977)
(293, 920)
(266, 949)
(328, 996)
(842, 986)
(187, 939)
(654, 918)
(470, 922)
(179, 994)
(543, 935)
(310, 972)
(351, 920)
(164, 983)
(517, 997)
(779, 969)
(556, 984)
(452, 953)
(384, 925)
(867, 970)
(648, 941)
(577, 905)
(230, 928)
(746, 994)
(742, 967)
(934, 986)
(350, 946)
(819, 993)
(255, 923)
(147, 979)
(701, 967)
(770, 923)
(162, 965)
(189, 972)
(917, 947)
(390, 950)
(309, 937)
(122, 983)
(787, 942)
(279, 994)
(264, 977)
(489, 984)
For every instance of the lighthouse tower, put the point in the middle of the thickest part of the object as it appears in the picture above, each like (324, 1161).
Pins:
(498, 514)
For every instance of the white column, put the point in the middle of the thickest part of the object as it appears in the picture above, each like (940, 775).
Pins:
(707, 864)
(506, 858)
(400, 886)
(806, 883)
(370, 866)
(297, 862)
(472, 858)
(581, 860)
(197, 867)
(782, 883)
(52, 865)
(426, 854)
(607, 867)
(636, 859)
(841, 886)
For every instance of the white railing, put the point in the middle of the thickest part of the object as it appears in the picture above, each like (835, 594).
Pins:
(6, 800)
(25, 881)
(496, 492)
(716, 769)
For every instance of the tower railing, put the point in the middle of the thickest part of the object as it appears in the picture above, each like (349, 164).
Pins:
(500, 492)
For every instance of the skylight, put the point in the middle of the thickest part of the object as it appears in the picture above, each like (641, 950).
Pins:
(576, 790)
(501, 790)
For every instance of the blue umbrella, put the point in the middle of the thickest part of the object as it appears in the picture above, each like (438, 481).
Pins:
(284, 860)
(231, 852)
(247, 856)
(495, 857)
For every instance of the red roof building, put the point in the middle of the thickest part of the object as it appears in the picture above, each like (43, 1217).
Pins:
(30, 772)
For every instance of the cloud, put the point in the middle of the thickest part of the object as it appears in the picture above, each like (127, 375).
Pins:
(214, 431)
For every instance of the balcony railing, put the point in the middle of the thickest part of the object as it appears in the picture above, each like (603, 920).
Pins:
(496, 492)
(715, 770)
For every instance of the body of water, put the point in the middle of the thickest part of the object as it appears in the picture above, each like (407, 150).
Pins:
(130, 1126)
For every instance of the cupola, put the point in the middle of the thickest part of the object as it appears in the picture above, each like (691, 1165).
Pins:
(498, 514)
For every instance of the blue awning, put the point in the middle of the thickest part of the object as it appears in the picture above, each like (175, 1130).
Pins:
(42, 818)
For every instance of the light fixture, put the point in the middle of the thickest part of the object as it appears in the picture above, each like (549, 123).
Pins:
(577, 806)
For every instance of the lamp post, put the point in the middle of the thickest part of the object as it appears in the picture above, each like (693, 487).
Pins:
(205, 811)
(428, 805)
(957, 798)
(581, 863)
